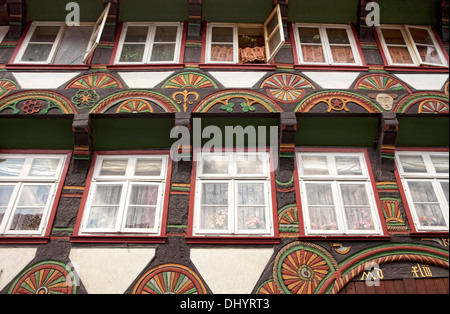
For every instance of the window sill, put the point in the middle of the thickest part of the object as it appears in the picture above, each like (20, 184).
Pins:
(24, 240)
(228, 66)
(50, 67)
(429, 234)
(232, 240)
(149, 66)
(350, 237)
(419, 69)
(119, 239)
(311, 67)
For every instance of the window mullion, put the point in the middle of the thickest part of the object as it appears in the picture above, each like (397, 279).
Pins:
(123, 205)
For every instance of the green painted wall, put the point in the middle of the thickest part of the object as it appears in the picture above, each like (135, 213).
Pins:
(237, 11)
(418, 12)
(154, 10)
(337, 131)
(55, 133)
(423, 131)
(323, 11)
(55, 10)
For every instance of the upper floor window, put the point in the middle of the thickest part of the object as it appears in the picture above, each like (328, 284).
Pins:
(28, 184)
(337, 195)
(326, 44)
(57, 43)
(233, 195)
(411, 46)
(424, 177)
(126, 195)
(142, 43)
(245, 43)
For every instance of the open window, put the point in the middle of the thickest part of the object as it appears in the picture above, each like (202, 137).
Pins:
(411, 46)
(245, 43)
(57, 43)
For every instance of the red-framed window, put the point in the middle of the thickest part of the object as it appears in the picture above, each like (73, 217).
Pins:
(31, 182)
(422, 176)
(233, 198)
(337, 195)
(126, 198)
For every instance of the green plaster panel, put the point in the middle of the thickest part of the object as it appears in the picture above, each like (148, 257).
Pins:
(55, 10)
(423, 132)
(416, 12)
(237, 11)
(337, 131)
(323, 11)
(132, 133)
(154, 10)
(36, 133)
(254, 123)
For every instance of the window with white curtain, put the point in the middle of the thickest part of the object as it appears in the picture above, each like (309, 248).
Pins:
(424, 177)
(126, 194)
(336, 194)
(27, 188)
(233, 194)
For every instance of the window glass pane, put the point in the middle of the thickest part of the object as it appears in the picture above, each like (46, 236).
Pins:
(251, 218)
(222, 52)
(323, 218)
(132, 53)
(148, 167)
(319, 194)
(114, 167)
(166, 34)
(337, 36)
(313, 54)
(272, 24)
(309, 35)
(102, 217)
(348, 166)
(359, 218)
(421, 36)
(274, 41)
(107, 195)
(440, 164)
(444, 186)
(393, 36)
(222, 34)
(354, 194)
(422, 191)
(249, 164)
(34, 195)
(37, 52)
(5, 194)
(251, 194)
(163, 52)
(342, 54)
(73, 45)
(45, 34)
(139, 217)
(11, 167)
(136, 34)
(144, 195)
(44, 167)
(400, 55)
(27, 219)
(429, 54)
(413, 164)
(430, 215)
(215, 193)
(314, 165)
(214, 218)
(215, 164)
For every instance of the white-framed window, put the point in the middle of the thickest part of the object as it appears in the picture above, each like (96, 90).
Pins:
(407, 45)
(424, 177)
(245, 43)
(28, 184)
(126, 195)
(233, 195)
(57, 43)
(337, 195)
(326, 44)
(142, 43)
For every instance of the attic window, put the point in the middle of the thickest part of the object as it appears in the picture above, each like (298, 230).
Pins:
(245, 43)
